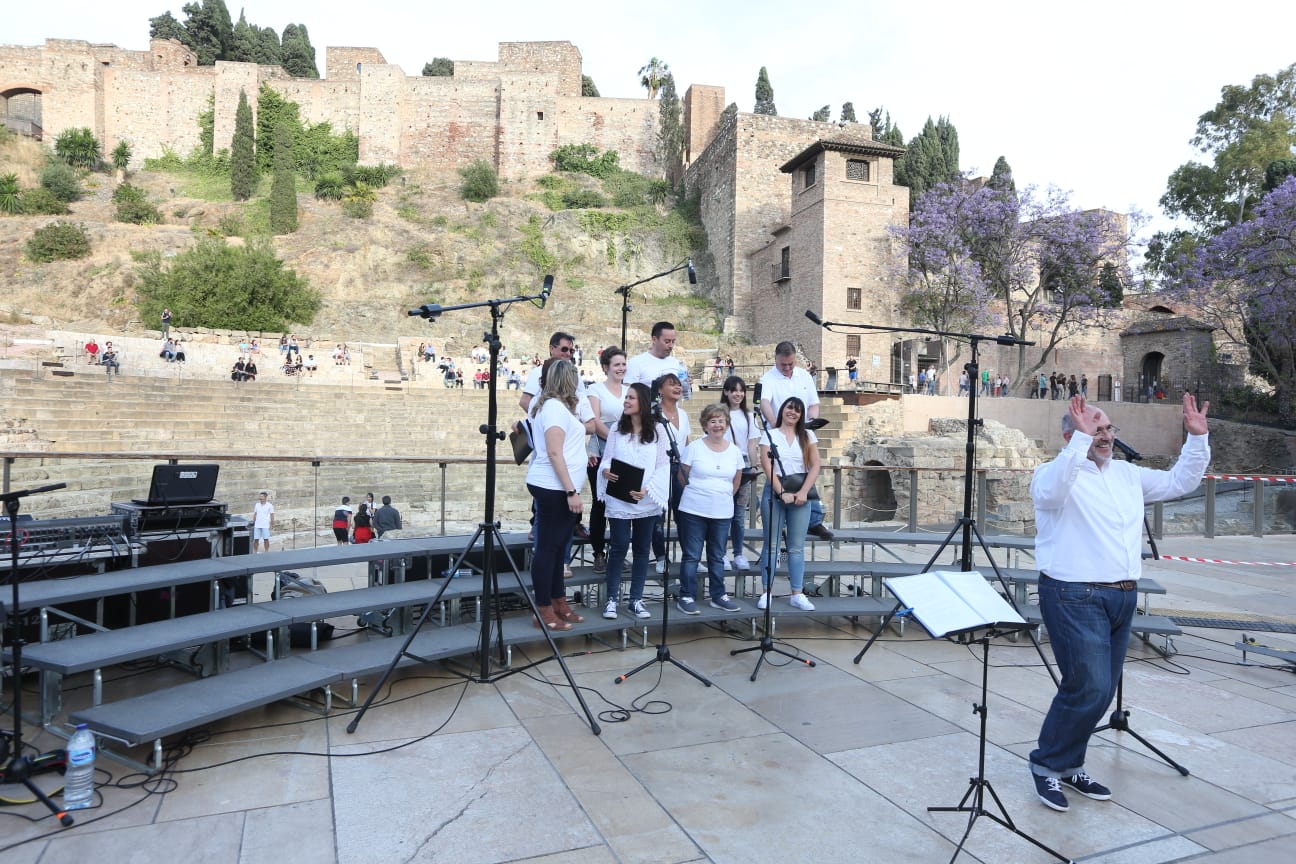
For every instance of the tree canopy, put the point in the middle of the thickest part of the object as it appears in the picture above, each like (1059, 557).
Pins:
(298, 53)
(931, 158)
(208, 32)
(243, 171)
(670, 128)
(848, 112)
(764, 95)
(1243, 282)
(883, 129)
(588, 87)
(440, 67)
(1027, 263)
(652, 75)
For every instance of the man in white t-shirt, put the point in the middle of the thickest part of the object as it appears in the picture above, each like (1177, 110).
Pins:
(561, 347)
(657, 361)
(779, 384)
(262, 523)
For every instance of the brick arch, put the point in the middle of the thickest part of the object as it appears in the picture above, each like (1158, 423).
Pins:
(20, 108)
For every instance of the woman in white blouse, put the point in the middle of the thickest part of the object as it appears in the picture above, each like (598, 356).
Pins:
(554, 480)
(712, 469)
(743, 433)
(605, 400)
(669, 390)
(636, 441)
(781, 508)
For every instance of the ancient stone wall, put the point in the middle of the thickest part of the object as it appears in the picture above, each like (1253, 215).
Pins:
(703, 106)
(547, 58)
(628, 126)
(342, 64)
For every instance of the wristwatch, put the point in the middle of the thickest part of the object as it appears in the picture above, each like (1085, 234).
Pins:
(572, 493)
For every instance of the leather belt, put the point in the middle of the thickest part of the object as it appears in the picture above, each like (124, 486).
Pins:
(1123, 585)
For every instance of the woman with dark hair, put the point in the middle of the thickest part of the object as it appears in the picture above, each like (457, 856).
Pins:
(712, 469)
(605, 400)
(742, 432)
(785, 507)
(667, 391)
(363, 524)
(635, 440)
(554, 480)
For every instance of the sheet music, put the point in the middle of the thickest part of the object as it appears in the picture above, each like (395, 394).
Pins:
(947, 601)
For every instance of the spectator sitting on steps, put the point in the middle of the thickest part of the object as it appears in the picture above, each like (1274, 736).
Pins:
(110, 359)
(168, 351)
(92, 352)
(310, 363)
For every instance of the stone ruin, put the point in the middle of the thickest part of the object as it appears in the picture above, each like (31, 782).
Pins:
(1006, 455)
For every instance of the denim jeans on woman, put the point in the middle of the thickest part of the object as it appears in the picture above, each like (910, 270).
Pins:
(795, 519)
(1089, 629)
(694, 531)
(627, 535)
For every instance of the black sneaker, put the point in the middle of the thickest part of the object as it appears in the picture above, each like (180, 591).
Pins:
(1049, 790)
(1087, 786)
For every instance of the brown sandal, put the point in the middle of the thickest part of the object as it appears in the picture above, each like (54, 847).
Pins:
(564, 611)
(549, 619)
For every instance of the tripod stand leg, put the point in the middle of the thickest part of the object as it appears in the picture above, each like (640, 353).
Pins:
(1119, 722)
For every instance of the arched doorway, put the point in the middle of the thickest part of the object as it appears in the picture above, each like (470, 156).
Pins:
(1151, 375)
(878, 502)
(20, 111)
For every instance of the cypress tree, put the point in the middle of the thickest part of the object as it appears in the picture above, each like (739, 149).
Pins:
(1001, 178)
(298, 53)
(823, 115)
(765, 95)
(670, 127)
(283, 193)
(243, 168)
(848, 112)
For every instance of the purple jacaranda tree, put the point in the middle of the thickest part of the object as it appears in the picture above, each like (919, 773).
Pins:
(1243, 281)
(1027, 263)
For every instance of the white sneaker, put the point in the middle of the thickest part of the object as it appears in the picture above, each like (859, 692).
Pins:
(661, 566)
(800, 601)
(640, 610)
(610, 610)
(728, 564)
(763, 601)
(741, 563)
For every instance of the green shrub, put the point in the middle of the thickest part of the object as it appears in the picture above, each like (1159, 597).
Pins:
(42, 202)
(10, 193)
(62, 180)
(533, 246)
(357, 208)
(121, 156)
(126, 193)
(480, 182)
(627, 189)
(551, 181)
(78, 147)
(585, 159)
(59, 241)
(138, 212)
(214, 284)
(579, 199)
(376, 176)
(230, 225)
(330, 187)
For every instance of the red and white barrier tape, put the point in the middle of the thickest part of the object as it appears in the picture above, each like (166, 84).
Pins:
(1249, 477)
(1220, 561)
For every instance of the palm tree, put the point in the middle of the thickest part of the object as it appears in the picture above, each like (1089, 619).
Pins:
(652, 76)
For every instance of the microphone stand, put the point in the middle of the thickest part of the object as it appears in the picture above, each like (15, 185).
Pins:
(965, 524)
(771, 543)
(663, 648)
(21, 768)
(489, 530)
(624, 291)
(1119, 719)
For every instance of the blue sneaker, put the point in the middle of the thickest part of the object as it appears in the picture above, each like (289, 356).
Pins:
(687, 606)
(1049, 790)
(1087, 786)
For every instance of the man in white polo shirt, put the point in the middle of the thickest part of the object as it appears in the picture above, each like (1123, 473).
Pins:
(657, 361)
(779, 384)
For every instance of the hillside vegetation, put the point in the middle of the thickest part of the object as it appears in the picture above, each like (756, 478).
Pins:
(422, 243)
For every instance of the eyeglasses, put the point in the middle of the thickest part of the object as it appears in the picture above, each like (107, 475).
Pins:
(564, 349)
(1109, 429)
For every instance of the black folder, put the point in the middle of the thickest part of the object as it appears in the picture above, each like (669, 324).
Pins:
(629, 479)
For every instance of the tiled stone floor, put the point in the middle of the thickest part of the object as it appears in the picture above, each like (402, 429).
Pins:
(835, 763)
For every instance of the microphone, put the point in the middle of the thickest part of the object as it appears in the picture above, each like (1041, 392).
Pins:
(427, 310)
(545, 290)
(1130, 453)
(692, 273)
(815, 318)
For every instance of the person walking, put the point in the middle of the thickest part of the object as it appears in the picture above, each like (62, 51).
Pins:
(263, 513)
(342, 521)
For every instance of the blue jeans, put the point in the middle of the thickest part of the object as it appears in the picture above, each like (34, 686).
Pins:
(738, 523)
(627, 533)
(553, 527)
(1089, 629)
(796, 519)
(693, 531)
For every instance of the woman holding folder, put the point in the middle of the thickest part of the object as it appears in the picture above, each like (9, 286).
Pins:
(634, 485)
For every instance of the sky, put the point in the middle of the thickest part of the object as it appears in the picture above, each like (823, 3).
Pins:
(1099, 99)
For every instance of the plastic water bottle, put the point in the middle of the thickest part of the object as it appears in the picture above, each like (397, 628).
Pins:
(78, 781)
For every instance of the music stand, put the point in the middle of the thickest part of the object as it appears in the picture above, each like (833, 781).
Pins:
(962, 605)
(489, 531)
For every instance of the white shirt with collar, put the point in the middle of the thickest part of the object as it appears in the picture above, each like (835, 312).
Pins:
(1089, 521)
(777, 388)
